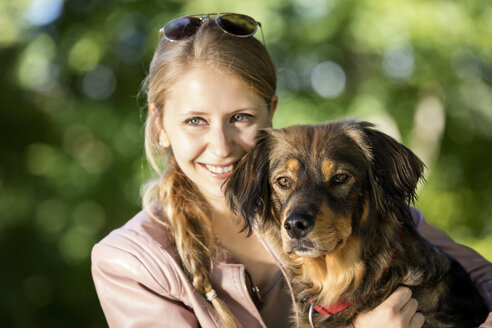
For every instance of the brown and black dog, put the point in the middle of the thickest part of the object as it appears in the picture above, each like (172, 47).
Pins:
(335, 198)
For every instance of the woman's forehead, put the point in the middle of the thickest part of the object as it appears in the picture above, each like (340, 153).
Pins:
(201, 89)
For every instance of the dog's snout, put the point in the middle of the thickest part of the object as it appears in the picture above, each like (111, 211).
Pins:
(299, 225)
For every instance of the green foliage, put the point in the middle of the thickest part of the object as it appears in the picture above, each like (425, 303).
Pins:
(71, 119)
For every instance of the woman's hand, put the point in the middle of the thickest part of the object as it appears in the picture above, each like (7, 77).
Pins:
(397, 311)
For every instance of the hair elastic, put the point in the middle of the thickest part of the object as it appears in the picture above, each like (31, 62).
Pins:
(211, 295)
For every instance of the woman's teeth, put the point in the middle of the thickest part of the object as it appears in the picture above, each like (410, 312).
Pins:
(219, 169)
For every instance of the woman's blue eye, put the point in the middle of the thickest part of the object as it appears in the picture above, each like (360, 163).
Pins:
(195, 121)
(241, 117)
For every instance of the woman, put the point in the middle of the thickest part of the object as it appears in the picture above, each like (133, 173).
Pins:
(182, 262)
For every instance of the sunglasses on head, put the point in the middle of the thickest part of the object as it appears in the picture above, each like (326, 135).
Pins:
(184, 27)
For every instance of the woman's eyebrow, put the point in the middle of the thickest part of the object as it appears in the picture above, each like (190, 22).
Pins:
(193, 113)
(250, 108)
(202, 113)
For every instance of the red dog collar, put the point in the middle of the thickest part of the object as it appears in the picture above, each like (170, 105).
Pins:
(332, 309)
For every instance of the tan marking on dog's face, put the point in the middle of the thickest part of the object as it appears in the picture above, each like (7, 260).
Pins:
(327, 168)
(292, 166)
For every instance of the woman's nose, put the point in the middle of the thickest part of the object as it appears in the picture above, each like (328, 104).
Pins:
(221, 140)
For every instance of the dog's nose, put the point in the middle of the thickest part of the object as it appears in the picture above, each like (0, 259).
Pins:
(299, 225)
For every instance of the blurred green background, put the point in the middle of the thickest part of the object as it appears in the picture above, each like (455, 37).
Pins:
(71, 119)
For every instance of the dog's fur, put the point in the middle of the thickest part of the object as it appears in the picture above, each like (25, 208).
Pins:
(335, 198)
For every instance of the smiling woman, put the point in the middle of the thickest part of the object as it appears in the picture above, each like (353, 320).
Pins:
(209, 92)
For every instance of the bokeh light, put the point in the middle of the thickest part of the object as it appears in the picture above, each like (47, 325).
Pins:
(36, 68)
(328, 79)
(99, 83)
(42, 12)
(398, 61)
(85, 54)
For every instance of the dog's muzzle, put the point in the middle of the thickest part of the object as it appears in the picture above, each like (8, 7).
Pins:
(299, 225)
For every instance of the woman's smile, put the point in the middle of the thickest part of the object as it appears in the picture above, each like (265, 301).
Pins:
(219, 171)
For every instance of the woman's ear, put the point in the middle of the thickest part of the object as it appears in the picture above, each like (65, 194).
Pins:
(152, 109)
(273, 107)
(159, 126)
(163, 139)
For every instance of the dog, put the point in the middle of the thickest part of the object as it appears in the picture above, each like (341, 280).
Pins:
(335, 199)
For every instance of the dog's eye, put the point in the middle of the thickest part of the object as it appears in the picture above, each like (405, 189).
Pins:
(340, 178)
(284, 182)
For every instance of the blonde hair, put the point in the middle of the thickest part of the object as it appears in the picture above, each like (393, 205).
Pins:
(186, 213)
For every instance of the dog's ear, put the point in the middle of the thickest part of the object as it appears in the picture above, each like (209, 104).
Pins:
(247, 189)
(395, 168)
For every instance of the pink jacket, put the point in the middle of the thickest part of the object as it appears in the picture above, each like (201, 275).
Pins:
(140, 282)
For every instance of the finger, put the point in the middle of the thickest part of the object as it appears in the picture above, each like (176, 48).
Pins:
(417, 321)
(399, 298)
(410, 307)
